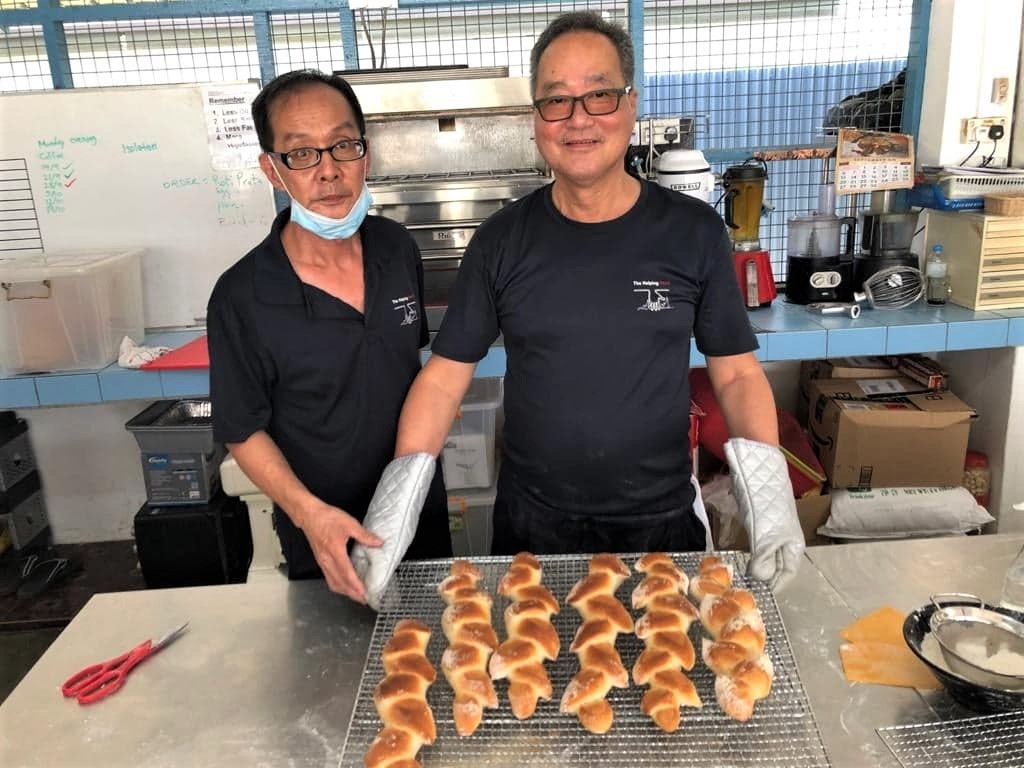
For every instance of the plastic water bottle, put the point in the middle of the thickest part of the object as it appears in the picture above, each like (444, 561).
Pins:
(1013, 585)
(936, 275)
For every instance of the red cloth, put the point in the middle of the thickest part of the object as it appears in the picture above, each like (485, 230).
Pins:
(713, 433)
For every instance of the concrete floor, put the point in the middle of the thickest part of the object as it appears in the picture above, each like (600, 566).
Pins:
(19, 650)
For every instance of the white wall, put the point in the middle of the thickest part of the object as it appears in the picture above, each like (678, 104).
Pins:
(970, 42)
(90, 467)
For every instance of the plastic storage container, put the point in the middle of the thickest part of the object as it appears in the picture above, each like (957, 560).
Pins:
(180, 460)
(471, 521)
(1012, 596)
(69, 311)
(468, 455)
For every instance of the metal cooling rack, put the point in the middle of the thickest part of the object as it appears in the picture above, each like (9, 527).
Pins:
(994, 741)
(781, 733)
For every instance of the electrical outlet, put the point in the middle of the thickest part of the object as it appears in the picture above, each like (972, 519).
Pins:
(974, 129)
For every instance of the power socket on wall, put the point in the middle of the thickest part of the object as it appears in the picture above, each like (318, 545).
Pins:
(974, 129)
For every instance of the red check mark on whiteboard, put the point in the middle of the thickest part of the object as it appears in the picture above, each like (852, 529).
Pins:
(69, 183)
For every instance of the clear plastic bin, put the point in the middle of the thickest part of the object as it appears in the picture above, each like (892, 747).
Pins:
(470, 521)
(468, 455)
(68, 311)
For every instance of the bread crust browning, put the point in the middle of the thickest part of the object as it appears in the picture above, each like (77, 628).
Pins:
(667, 647)
(736, 650)
(601, 668)
(466, 623)
(401, 699)
(532, 638)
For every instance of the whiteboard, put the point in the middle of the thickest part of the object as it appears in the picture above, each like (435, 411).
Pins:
(170, 169)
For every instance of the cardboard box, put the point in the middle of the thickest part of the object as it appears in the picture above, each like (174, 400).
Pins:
(812, 511)
(923, 370)
(837, 368)
(877, 433)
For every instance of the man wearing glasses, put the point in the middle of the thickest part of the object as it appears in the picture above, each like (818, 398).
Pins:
(598, 282)
(314, 337)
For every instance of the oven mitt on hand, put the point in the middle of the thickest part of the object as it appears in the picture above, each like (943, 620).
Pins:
(393, 515)
(764, 493)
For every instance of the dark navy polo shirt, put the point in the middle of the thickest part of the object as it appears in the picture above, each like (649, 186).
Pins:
(325, 381)
(597, 321)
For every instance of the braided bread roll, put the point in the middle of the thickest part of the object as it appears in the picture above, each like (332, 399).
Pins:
(668, 649)
(743, 673)
(532, 638)
(401, 699)
(601, 668)
(713, 578)
(471, 639)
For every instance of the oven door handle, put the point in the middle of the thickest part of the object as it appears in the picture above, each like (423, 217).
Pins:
(467, 224)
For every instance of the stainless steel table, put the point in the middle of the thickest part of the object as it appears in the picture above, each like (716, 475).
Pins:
(267, 672)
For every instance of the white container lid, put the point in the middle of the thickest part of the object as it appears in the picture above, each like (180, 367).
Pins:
(682, 161)
(44, 266)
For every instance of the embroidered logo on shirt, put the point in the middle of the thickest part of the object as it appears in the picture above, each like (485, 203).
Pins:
(407, 306)
(654, 295)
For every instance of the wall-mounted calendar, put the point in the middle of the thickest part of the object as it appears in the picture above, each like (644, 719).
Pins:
(870, 160)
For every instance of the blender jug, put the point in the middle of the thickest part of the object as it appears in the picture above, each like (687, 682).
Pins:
(744, 194)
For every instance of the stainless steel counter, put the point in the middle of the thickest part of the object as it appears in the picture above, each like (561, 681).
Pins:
(267, 672)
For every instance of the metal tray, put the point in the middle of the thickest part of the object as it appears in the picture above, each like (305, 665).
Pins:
(996, 741)
(782, 732)
(186, 413)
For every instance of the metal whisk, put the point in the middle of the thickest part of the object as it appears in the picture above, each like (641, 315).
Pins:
(892, 288)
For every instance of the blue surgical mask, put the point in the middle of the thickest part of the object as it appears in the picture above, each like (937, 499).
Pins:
(325, 226)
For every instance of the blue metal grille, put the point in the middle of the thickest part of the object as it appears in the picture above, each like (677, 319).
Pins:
(160, 51)
(477, 35)
(307, 40)
(753, 74)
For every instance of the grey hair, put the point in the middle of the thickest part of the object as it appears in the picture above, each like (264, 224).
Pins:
(584, 21)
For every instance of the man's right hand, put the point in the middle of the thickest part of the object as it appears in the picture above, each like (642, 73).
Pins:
(328, 530)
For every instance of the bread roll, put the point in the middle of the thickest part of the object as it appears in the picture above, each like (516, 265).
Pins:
(601, 668)
(471, 640)
(713, 577)
(668, 650)
(743, 673)
(532, 638)
(401, 699)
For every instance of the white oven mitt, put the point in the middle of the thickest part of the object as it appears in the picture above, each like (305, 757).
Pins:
(393, 515)
(765, 497)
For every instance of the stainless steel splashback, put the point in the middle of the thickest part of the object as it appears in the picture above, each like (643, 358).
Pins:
(456, 125)
(452, 143)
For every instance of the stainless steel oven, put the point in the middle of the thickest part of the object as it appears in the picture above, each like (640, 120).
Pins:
(448, 149)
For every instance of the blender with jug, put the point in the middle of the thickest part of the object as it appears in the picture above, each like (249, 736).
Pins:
(744, 195)
(818, 266)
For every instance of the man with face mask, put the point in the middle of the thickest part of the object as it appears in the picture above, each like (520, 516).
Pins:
(314, 337)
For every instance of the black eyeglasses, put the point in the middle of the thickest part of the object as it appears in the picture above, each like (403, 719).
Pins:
(596, 103)
(306, 157)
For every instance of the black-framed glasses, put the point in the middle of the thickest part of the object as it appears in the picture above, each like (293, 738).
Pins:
(306, 157)
(596, 103)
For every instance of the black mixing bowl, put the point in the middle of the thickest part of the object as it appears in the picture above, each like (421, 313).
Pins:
(980, 698)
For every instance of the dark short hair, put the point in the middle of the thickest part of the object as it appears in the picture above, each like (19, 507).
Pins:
(290, 82)
(584, 21)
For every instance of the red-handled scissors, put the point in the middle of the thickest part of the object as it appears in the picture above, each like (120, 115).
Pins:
(98, 681)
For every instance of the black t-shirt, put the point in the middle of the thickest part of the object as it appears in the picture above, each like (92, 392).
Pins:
(325, 381)
(597, 321)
